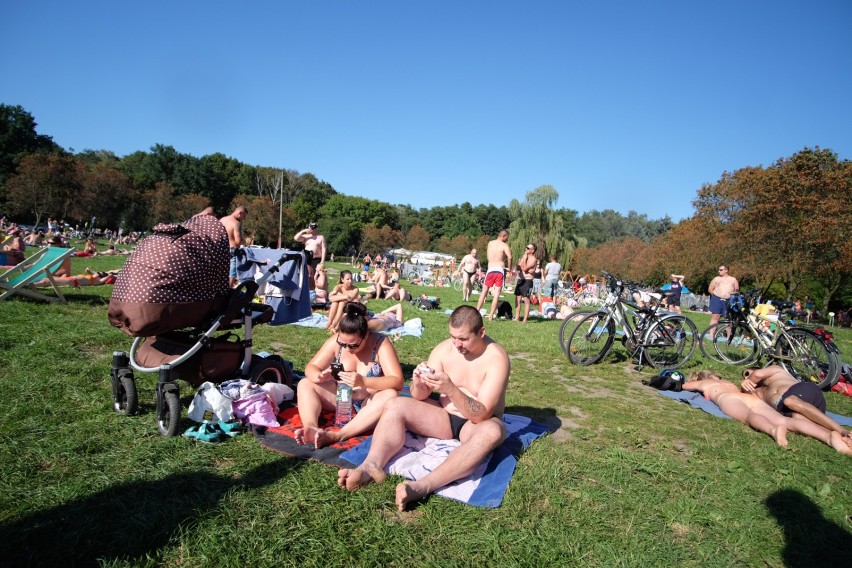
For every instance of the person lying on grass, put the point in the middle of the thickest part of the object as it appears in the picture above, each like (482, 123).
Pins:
(470, 371)
(386, 320)
(775, 386)
(91, 278)
(370, 366)
(750, 410)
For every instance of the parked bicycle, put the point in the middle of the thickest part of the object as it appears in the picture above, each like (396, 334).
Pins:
(743, 338)
(651, 335)
(475, 282)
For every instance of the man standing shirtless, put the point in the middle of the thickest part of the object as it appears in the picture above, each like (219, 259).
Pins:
(721, 288)
(780, 390)
(524, 287)
(468, 266)
(751, 410)
(497, 252)
(233, 224)
(314, 246)
(471, 372)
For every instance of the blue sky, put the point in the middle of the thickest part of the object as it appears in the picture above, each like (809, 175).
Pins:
(625, 105)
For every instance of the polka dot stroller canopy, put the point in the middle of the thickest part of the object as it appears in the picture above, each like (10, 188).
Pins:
(176, 278)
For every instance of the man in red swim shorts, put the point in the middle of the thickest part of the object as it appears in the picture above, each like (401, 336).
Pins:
(499, 257)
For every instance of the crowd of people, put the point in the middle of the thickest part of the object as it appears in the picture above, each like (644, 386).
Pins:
(459, 391)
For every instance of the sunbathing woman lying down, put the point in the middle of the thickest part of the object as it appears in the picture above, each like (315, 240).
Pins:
(750, 410)
(91, 278)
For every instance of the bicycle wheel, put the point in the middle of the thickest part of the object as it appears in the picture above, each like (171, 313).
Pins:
(458, 284)
(591, 339)
(476, 285)
(567, 327)
(670, 342)
(726, 342)
(807, 358)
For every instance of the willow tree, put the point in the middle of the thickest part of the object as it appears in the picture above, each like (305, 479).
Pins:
(536, 221)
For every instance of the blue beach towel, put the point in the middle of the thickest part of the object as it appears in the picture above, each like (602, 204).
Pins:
(488, 483)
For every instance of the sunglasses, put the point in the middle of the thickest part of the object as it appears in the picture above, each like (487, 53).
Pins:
(348, 345)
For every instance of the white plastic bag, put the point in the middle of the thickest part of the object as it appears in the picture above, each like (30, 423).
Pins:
(209, 405)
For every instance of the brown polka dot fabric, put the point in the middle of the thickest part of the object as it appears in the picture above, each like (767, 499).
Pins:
(173, 278)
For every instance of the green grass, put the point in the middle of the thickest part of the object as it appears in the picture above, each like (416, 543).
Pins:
(628, 478)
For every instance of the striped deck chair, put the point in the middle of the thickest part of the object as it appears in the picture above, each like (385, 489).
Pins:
(40, 265)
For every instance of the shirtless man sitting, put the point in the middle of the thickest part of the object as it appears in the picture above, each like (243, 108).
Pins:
(470, 371)
(499, 257)
(751, 410)
(780, 390)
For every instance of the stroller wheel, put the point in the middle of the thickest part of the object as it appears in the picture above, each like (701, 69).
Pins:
(126, 400)
(268, 370)
(168, 414)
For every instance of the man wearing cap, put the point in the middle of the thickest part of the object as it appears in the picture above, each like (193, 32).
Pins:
(314, 246)
(526, 266)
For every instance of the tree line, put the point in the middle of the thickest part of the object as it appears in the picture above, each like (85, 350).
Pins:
(785, 227)
(39, 179)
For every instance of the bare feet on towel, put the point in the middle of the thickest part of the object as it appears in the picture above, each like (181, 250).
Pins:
(325, 438)
(354, 479)
(406, 493)
(307, 435)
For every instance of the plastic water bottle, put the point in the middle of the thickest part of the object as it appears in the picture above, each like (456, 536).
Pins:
(343, 412)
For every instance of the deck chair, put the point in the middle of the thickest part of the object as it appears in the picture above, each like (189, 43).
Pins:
(40, 265)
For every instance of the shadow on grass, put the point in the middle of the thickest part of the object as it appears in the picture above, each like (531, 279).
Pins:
(128, 521)
(810, 539)
(545, 416)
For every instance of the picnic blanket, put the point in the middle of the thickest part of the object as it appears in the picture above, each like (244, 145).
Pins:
(486, 486)
(697, 400)
(282, 439)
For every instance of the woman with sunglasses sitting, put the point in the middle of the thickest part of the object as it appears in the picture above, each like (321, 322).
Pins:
(370, 366)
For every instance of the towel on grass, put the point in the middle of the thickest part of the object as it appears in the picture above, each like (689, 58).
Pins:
(697, 400)
(282, 439)
(414, 327)
(313, 320)
(486, 486)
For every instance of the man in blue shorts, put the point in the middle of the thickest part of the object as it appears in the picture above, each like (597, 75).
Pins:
(721, 288)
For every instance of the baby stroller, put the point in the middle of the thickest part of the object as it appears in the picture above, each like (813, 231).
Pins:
(173, 298)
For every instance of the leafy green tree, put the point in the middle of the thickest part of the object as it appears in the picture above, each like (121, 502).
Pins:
(492, 219)
(18, 138)
(535, 221)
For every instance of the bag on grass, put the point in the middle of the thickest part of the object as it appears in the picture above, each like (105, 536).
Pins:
(667, 380)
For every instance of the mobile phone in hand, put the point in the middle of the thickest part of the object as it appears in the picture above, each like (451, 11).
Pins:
(336, 369)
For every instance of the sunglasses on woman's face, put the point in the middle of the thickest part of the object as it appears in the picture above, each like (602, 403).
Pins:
(348, 345)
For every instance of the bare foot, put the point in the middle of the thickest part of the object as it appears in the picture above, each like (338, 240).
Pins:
(841, 443)
(354, 479)
(325, 438)
(780, 435)
(406, 494)
(307, 435)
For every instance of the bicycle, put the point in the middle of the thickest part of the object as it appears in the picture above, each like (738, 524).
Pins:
(475, 283)
(660, 338)
(744, 339)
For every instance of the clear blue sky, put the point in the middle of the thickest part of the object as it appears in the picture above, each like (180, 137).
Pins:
(627, 105)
